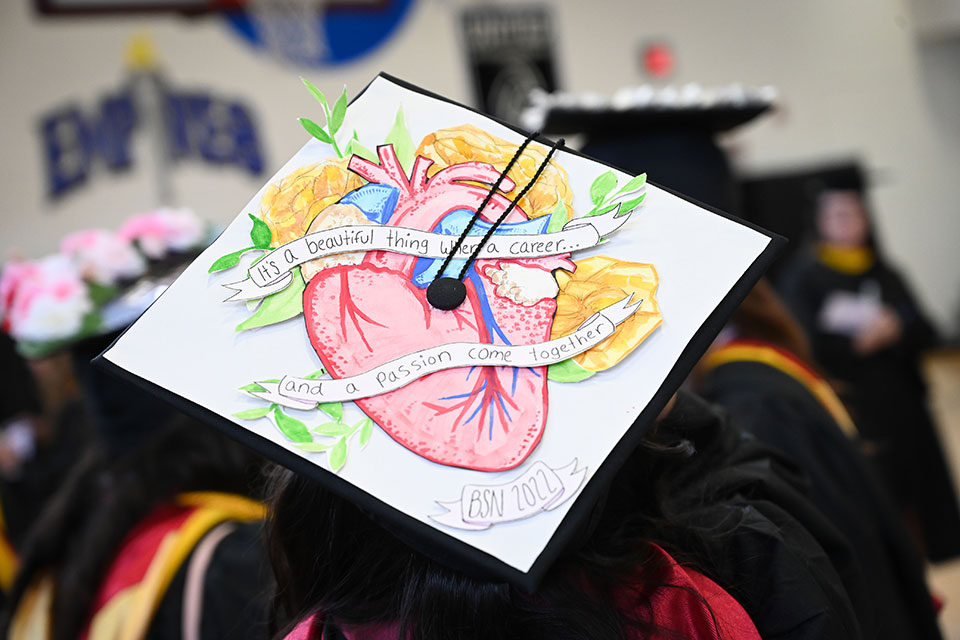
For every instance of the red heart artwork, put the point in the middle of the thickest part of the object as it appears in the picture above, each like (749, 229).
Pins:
(363, 315)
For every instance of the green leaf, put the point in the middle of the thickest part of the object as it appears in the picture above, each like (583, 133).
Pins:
(559, 217)
(602, 186)
(33, 350)
(403, 146)
(631, 204)
(339, 112)
(355, 148)
(599, 211)
(89, 325)
(277, 307)
(291, 428)
(316, 130)
(100, 294)
(260, 233)
(316, 92)
(253, 414)
(332, 409)
(338, 455)
(633, 184)
(253, 386)
(567, 371)
(315, 374)
(333, 429)
(366, 430)
(229, 260)
(312, 447)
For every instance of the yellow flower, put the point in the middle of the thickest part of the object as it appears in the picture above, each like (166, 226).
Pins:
(468, 143)
(597, 283)
(289, 206)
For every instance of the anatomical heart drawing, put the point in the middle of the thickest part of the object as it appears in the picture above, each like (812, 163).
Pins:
(362, 309)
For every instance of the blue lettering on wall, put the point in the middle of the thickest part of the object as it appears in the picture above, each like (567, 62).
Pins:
(196, 126)
(216, 131)
(118, 117)
(68, 148)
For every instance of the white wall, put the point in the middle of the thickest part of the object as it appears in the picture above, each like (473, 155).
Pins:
(853, 79)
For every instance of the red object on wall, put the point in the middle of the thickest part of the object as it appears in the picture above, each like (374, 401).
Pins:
(658, 60)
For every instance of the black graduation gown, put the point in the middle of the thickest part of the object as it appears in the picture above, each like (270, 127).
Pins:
(19, 393)
(886, 394)
(759, 536)
(780, 411)
(236, 591)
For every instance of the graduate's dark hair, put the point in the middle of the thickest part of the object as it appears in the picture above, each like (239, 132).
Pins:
(329, 557)
(19, 393)
(765, 317)
(103, 498)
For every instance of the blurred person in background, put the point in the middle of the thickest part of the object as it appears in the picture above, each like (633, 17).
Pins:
(868, 332)
(767, 381)
(19, 422)
(54, 406)
(761, 370)
(160, 542)
(42, 426)
(124, 416)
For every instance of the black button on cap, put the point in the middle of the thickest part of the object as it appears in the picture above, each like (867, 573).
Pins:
(446, 293)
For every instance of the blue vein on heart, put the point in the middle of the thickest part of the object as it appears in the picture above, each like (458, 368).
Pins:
(426, 269)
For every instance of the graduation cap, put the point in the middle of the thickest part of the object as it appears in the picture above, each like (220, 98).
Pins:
(672, 129)
(644, 108)
(460, 327)
(849, 177)
(80, 299)
(98, 283)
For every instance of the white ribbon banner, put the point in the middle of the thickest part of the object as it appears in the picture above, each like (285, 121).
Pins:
(272, 272)
(305, 393)
(538, 489)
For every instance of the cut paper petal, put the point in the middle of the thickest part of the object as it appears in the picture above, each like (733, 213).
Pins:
(595, 283)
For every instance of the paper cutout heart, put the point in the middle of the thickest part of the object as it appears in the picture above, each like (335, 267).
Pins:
(361, 316)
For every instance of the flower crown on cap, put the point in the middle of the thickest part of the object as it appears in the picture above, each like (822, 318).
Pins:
(85, 289)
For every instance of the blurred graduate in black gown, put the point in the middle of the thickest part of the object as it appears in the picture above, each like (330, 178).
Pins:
(161, 541)
(761, 372)
(868, 333)
(761, 543)
(140, 523)
(771, 391)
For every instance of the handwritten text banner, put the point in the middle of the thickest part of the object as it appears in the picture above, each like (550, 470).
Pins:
(538, 489)
(305, 393)
(272, 272)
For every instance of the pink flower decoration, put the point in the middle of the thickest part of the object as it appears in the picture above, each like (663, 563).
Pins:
(103, 256)
(14, 273)
(164, 230)
(43, 300)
